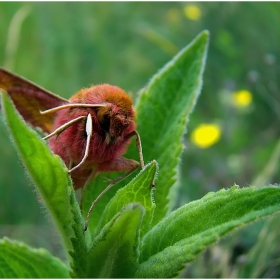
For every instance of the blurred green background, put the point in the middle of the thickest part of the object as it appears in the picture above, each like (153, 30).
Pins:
(66, 46)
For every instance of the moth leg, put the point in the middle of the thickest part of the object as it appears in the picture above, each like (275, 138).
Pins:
(138, 145)
(117, 165)
(89, 134)
(63, 127)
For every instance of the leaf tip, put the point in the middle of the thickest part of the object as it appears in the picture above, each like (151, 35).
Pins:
(205, 33)
(155, 164)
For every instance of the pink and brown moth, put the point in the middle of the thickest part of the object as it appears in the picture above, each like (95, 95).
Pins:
(90, 131)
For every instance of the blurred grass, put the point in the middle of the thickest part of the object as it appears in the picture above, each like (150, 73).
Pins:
(66, 46)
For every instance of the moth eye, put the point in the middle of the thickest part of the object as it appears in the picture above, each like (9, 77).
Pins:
(104, 120)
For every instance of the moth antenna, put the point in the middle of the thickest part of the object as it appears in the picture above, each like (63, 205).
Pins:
(72, 105)
(63, 127)
(89, 134)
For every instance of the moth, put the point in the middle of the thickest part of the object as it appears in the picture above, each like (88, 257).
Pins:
(90, 131)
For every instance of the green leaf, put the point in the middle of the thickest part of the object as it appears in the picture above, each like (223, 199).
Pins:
(51, 179)
(17, 260)
(163, 110)
(115, 252)
(181, 236)
(138, 190)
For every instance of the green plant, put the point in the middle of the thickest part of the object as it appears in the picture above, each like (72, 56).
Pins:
(133, 232)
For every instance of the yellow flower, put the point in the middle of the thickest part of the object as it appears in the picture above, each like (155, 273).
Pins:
(205, 135)
(192, 12)
(242, 98)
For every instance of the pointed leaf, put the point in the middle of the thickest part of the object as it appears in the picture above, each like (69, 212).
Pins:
(181, 236)
(115, 252)
(17, 260)
(163, 110)
(50, 177)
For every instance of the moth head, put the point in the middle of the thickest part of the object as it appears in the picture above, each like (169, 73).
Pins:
(115, 120)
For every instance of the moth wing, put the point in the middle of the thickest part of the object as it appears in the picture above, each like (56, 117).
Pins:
(30, 99)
